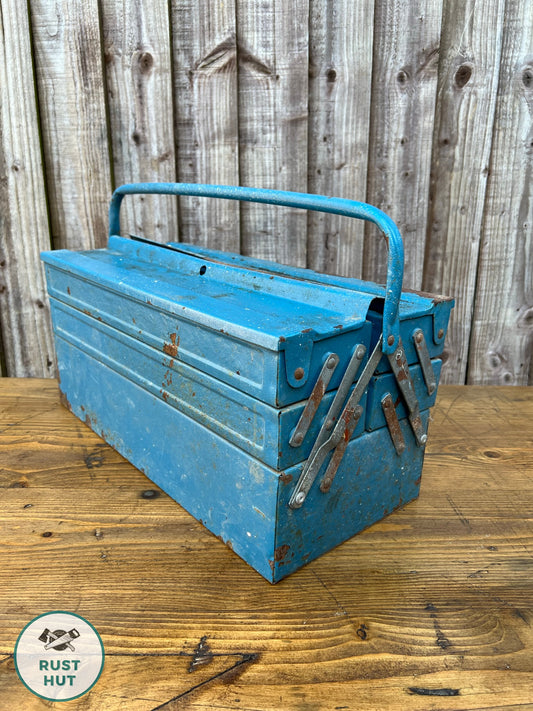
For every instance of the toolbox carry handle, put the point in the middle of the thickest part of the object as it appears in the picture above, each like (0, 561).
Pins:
(320, 203)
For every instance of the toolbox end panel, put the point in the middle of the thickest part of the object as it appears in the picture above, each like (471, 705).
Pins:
(229, 492)
(371, 482)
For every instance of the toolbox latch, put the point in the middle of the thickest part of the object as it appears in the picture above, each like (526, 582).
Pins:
(298, 352)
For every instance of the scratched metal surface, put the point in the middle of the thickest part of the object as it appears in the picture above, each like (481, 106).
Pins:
(252, 332)
(234, 495)
(253, 425)
(371, 482)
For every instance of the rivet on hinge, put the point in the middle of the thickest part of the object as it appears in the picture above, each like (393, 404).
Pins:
(314, 401)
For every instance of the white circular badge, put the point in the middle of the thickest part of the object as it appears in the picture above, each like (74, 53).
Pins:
(59, 656)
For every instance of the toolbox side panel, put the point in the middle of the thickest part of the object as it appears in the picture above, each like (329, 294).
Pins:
(252, 425)
(246, 421)
(229, 492)
(371, 482)
(236, 362)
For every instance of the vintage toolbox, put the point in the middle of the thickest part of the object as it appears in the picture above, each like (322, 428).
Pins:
(286, 410)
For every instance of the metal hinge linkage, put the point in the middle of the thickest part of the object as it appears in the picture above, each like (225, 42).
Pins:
(398, 363)
(425, 361)
(337, 431)
(314, 400)
(393, 423)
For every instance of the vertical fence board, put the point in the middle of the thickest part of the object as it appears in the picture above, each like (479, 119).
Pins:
(273, 81)
(73, 119)
(24, 230)
(136, 38)
(340, 63)
(468, 80)
(501, 350)
(205, 81)
(406, 54)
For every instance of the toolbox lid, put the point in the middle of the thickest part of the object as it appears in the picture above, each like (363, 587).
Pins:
(265, 308)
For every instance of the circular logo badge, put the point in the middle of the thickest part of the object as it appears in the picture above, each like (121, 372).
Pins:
(59, 656)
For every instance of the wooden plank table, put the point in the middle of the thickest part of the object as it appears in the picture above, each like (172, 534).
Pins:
(430, 609)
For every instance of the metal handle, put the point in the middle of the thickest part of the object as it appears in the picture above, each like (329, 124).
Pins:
(320, 203)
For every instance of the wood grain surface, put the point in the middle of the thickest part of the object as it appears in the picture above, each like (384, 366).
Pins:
(406, 59)
(24, 231)
(273, 113)
(469, 68)
(432, 608)
(501, 343)
(73, 123)
(340, 67)
(424, 106)
(138, 70)
(205, 86)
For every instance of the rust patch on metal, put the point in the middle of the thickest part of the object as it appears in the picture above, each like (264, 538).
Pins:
(68, 290)
(281, 552)
(286, 478)
(88, 313)
(393, 423)
(339, 326)
(307, 330)
(164, 395)
(171, 348)
(402, 375)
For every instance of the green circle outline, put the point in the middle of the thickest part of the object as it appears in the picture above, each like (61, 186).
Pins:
(58, 612)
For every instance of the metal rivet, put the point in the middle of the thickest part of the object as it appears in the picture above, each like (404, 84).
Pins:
(299, 373)
(440, 334)
(390, 340)
(331, 362)
(329, 424)
(423, 439)
(300, 498)
(360, 351)
(298, 439)
(419, 337)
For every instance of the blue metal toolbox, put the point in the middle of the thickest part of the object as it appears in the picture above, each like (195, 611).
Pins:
(286, 410)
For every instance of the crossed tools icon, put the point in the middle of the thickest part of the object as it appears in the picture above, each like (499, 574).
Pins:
(59, 639)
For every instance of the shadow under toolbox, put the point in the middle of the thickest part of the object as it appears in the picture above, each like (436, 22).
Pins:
(286, 410)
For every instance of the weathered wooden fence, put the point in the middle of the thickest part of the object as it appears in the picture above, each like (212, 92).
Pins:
(422, 107)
